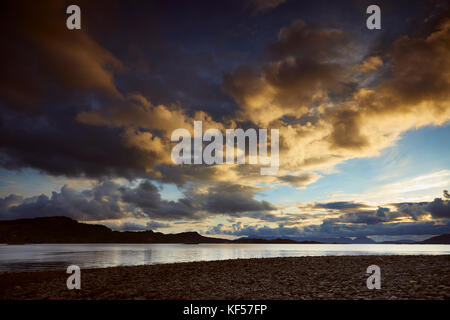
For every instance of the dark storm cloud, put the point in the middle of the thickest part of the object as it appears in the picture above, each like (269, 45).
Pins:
(104, 201)
(74, 86)
(438, 208)
(99, 103)
(109, 200)
(189, 77)
(240, 229)
(360, 223)
(381, 215)
(219, 199)
(41, 54)
(401, 228)
(197, 202)
(316, 72)
(68, 202)
(145, 200)
(51, 75)
(303, 65)
(269, 217)
(309, 74)
(57, 144)
(300, 40)
(145, 196)
(231, 199)
(329, 230)
(340, 205)
(418, 77)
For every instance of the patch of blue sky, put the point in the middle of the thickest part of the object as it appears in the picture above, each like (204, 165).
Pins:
(418, 152)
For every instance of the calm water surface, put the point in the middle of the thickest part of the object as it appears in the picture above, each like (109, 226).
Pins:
(35, 257)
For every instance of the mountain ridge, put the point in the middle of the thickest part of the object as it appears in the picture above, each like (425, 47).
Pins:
(62, 229)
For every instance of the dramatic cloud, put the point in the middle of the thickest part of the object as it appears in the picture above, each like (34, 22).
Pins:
(94, 125)
(109, 200)
(380, 215)
(231, 199)
(358, 213)
(100, 203)
(101, 103)
(301, 180)
(340, 205)
(329, 231)
(303, 74)
(38, 50)
(349, 219)
(300, 41)
(308, 91)
(438, 209)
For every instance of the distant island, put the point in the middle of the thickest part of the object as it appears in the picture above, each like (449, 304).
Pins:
(66, 230)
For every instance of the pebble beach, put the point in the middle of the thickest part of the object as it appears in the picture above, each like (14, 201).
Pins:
(299, 278)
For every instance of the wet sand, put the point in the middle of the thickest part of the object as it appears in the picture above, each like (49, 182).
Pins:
(402, 277)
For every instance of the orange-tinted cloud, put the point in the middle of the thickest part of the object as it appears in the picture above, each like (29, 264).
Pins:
(40, 47)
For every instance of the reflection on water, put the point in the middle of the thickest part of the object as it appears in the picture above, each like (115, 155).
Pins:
(58, 256)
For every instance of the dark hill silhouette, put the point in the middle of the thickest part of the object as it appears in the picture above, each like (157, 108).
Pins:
(66, 230)
(442, 239)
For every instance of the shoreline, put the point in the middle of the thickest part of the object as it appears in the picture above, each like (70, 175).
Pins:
(220, 243)
(194, 243)
(297, 278)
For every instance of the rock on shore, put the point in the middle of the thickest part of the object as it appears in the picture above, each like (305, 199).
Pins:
(402, 277)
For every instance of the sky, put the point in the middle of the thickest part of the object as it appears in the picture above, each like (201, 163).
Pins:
(363, 116)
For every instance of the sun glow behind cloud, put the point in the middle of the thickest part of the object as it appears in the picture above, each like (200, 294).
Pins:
(420, 188)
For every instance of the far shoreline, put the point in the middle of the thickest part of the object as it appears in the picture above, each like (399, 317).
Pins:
(220, 243)
(61, 229)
